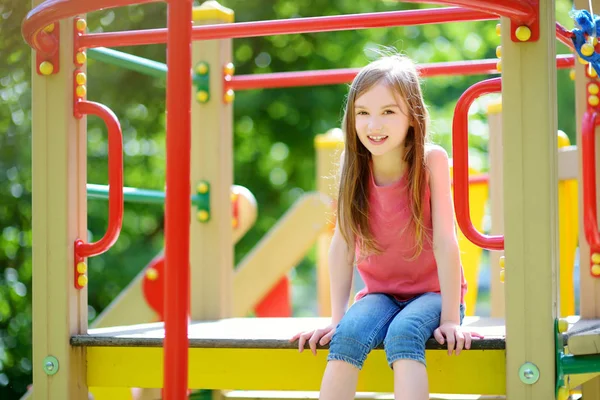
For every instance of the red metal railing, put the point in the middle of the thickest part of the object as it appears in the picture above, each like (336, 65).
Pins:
(177, 203)
(115, 180)
(518, 10)
(54, 10)
(564, 36)
(460, 154)
(345, 75)
(291, 26)
(588, 159)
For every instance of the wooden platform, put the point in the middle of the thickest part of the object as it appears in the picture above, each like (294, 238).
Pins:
(583, 338)
(257, 333)
(250, 354)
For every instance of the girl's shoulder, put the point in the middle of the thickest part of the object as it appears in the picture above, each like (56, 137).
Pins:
(435, 153)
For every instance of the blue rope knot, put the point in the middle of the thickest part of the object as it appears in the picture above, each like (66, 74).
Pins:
(588, 26)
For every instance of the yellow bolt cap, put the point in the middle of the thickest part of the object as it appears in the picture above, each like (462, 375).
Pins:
(572, 74)
(82, 280)
(202, 96)
(499, 66)
(81, 91)
(81, 25)
(587, 49)
(81, 268)
(49, 28)
(502, 261)
(581, 61)
(202, 68)
(203, 215)
(229, 69)
(80, 78)
(229, 96)
(46, 68)
(593, 100)
(202, 188)
(499, 51)
(593, 88)
(563, 325)
(152, 274)
(591, 71)
(596, 258)
(81, 57)
(498, 29)
(502, 274)
(523, 33)
(596, 269)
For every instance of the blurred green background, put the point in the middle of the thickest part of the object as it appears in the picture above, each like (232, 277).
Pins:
(273, 137)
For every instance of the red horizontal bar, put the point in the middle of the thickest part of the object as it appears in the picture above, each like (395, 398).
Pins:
(54, 10)
(291, 26)
(346, 75)
(517, 10)
(460, 162)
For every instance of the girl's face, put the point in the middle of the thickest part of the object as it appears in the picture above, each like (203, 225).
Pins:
(382, 120)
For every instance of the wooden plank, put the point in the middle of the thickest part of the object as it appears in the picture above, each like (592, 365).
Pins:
(473, 372)
(589, 297)
(59, 213)
(257, 333)
(529, 124)
(584, 337)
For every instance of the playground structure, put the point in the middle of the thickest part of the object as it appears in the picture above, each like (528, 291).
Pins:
(228, 353)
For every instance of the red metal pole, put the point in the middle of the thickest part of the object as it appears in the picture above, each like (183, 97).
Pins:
(177, 203)
(292, 26)
(115, 180)
(54, 10)
(518, 10)
(588, 159)
(460, 154)
(345, 75)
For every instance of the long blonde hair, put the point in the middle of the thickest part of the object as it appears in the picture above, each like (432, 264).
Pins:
(400, 75)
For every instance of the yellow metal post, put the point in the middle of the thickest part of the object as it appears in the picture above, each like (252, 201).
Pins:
(529, 123)
(59, 218)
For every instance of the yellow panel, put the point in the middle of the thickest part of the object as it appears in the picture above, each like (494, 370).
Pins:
(473, 372)
(108, 393)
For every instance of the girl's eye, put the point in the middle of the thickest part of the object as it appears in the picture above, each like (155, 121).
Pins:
(388, 112)
(361, 113)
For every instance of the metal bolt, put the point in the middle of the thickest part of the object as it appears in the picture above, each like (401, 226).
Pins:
(529, 373)
(51, 365)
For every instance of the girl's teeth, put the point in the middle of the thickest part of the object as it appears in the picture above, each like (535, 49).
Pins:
(377, 138)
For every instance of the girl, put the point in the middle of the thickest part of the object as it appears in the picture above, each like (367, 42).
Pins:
(396, 222)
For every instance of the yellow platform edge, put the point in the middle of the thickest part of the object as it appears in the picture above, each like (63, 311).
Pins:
(473, 372)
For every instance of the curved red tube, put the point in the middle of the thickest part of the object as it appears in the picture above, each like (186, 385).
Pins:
(460, 154)
(54, 10)
(517, 10)
(115, 180)
(588, 159)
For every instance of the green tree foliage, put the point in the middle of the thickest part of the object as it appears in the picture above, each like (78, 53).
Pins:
(273, 137)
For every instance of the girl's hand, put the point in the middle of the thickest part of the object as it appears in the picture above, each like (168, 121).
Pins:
(322, 336)
(457, 338)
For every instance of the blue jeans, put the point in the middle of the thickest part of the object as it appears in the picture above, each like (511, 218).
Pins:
(402, 326)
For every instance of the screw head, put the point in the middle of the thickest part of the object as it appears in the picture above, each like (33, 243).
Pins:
(529, 373)
(50, 365)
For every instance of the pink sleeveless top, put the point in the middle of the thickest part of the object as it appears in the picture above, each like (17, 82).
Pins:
(394, 271)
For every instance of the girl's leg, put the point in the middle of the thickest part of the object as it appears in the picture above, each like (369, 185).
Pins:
(410, 380)
(362, 328)
(405, 345)
(339, 381)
